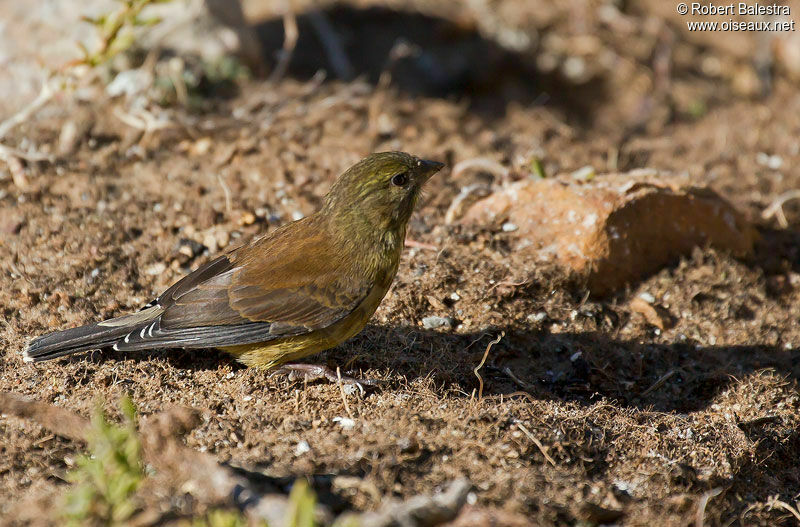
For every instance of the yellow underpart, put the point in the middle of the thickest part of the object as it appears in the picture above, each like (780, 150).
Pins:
(270, 354)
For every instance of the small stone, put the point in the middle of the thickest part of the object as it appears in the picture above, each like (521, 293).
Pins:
(130, 83)
(156, 269)
(653, 314)
(223, 239)
(210, 241)
(433, 322)
(773, 162)
(202, 146)
(345, 422)
(509, 227)
(647, 297)
(586, 173)
(435, 303)
(537, 317)
(248, 218)
(301, 448)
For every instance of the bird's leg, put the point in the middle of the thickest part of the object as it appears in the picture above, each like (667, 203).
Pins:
(315, 372)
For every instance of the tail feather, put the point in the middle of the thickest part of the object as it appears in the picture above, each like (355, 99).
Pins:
(84, 338)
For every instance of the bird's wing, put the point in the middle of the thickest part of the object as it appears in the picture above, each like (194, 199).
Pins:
(287, 284)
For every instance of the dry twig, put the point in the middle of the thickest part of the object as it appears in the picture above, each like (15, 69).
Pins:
(468, 195)
(701, 506)
(522, 384)
(290, 34)
(420, 245)
(421, 511)
(776, 207)
(45, 94)
(775, 503)
(482, 163)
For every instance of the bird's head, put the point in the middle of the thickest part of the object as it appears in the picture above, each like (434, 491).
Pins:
(381, 189)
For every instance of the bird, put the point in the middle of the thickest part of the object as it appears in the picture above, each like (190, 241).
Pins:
(303, 288)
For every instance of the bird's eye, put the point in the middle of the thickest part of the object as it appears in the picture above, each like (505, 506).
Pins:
(400, 180)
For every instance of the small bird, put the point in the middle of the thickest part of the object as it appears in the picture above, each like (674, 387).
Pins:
(301, 289)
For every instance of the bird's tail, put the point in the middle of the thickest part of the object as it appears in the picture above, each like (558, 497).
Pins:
(89, 337)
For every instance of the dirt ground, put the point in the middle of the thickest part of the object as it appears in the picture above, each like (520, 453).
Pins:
(588, 414)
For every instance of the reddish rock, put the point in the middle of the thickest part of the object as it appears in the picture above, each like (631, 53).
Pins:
(614, 229)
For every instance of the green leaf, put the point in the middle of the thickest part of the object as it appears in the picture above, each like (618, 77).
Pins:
(302, 501)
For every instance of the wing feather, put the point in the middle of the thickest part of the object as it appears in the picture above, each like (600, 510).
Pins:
(265, 290)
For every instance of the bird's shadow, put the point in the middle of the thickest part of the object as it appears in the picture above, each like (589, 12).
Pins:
(579, 367)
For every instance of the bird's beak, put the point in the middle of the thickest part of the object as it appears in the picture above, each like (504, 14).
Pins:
(429, 168)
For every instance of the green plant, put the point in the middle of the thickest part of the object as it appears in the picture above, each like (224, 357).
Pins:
(116, 30)
(302, 501)
(221, 518)
(106, 479)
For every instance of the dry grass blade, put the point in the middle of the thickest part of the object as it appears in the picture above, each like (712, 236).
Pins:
(227, 191)
(483, 360)
(341, 390)
(536, 442)
(659, 383)
(45, 94)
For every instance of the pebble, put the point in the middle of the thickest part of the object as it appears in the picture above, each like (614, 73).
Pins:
(773, 162)
(248, 218)
(433, 322)
(156, 268)
(647, 297)
(345, 422)
(509, 227)
(537, 317)
(586, 173)
(301, 448)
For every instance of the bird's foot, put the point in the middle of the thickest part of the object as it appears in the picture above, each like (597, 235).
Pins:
(316, 372)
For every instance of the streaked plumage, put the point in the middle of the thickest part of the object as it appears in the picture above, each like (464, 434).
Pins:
(303, 288)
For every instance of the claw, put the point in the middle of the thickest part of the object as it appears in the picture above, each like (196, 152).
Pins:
(316, 372)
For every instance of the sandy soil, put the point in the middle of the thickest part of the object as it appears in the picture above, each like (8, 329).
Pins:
(637, 426)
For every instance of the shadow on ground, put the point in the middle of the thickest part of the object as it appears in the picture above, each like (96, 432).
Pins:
(578, 367)
(424, 55)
